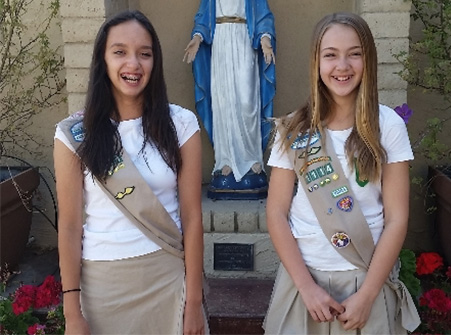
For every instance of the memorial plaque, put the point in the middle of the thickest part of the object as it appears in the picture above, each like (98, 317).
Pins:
(233, 257)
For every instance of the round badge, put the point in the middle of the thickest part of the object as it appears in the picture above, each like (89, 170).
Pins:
(340, 240)
(345, 204)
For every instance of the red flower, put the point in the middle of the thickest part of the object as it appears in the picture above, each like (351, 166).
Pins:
(48, 293)
(427, 262)
(23, 299)
(436, 299)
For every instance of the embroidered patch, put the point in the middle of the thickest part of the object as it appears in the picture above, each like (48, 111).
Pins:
(339, 191)
(340, 240)
(301, 141)
(313, 188)
(311, 151)
(128, 190)
(118, 163)
(345, 204)
(314, 161)
(361, 183)
(77, 131)
(325, 182)
(318, 173)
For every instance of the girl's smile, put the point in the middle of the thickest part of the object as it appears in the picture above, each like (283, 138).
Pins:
(129, 60)
(341, 62)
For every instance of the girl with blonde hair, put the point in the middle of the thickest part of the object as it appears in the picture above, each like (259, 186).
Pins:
(338, 238)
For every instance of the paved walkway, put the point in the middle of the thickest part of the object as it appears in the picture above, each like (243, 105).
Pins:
(36, 264)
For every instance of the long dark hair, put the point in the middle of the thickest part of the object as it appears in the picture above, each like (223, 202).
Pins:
(102, 143)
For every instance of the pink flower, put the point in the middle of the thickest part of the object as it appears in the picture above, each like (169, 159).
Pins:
(404, 111)
(448, 272)
(436, 299)
(36, 329)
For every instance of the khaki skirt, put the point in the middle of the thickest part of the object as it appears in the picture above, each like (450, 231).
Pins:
(139, 295)
(287, 313)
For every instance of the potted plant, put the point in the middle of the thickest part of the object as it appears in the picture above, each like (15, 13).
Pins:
(30, 84)
(427, 67)
(16, 209)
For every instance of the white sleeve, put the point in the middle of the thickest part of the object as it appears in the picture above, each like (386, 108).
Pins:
(185, 122)
(394, 136)
(279, 157)
(60, 135)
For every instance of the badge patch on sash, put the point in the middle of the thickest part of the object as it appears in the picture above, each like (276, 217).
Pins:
(311, 151)
(340, 240)
(315, 160)
(128, 190)
(118, 163)
(339, 191)
(77, 131)
(318, 172)
(301, 141)
(313, 188)
(345, 204)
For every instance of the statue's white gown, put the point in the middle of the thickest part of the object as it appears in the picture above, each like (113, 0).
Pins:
(235, 94)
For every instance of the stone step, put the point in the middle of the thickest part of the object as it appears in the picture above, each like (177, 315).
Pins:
(237, 306)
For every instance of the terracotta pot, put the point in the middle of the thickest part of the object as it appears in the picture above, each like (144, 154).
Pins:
(440, 177)
(16, 213)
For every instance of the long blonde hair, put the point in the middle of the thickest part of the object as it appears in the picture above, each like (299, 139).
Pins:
(363, 144)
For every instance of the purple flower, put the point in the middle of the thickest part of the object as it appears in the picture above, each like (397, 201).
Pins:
(404, 111)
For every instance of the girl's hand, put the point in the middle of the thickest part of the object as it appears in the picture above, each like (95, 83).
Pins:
(193, 320)
(357, 311)
(321, 306)
(77, 326)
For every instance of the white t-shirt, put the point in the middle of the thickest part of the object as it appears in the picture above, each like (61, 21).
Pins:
(108, 234)
(317, 251)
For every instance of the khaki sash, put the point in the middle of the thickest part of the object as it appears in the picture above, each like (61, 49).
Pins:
(332, 200)
(339, 213)
(129, 192)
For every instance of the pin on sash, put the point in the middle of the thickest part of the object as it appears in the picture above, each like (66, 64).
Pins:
(340, 240)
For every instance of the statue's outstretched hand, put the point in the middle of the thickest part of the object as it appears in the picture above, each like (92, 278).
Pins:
(191, 49)
(268, 52)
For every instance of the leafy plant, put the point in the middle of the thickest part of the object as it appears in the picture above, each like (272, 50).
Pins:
(428, 66)
(18, 311)
(30, 69)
